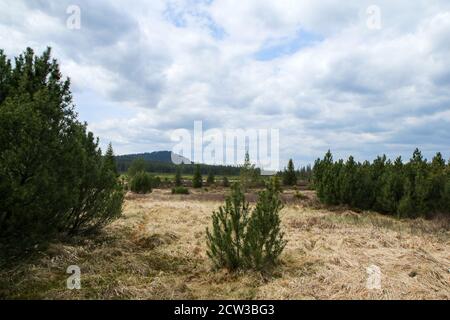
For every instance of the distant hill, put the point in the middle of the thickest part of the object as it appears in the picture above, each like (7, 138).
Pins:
(160, 156)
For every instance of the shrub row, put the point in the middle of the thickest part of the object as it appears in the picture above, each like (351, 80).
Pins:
(413, 189)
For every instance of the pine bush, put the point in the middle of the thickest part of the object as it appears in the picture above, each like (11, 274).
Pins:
(241, 239)
(263, 239)
(229, 223)
(53, 176)
(141, 183)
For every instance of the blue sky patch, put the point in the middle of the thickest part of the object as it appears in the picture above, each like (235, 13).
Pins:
(273, 49)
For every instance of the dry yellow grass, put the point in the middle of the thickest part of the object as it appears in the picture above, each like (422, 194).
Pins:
(157, 250)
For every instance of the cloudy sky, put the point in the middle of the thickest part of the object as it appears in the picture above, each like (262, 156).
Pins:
(328, 74)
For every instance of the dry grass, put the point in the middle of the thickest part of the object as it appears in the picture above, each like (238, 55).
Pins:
(157, 250)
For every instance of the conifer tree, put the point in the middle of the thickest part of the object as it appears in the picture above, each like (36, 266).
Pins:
(330, 182)
(436, 184)
(392, 187)
(289, 175)
(240, 239)
(110, 160)
(226, 239)
(263, 239)
(276, 184)
(348, 181)
(53, 176)
(141, 183)
(197, 180)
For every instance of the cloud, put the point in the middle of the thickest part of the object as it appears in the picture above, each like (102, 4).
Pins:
(312, 69)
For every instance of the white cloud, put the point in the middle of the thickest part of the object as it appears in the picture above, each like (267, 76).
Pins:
(355, 90)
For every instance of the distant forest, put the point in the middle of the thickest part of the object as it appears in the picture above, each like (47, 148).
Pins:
(161, 162)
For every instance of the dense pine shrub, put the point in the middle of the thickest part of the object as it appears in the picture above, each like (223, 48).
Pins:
(417, 188)
(244, 239)
(53, 176)
(141, 182)
(229, 223)
(263, 239)
(99, 194)
(276, 184)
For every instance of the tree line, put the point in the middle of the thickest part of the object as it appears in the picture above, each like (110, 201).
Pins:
(418, 188)
(124, 164)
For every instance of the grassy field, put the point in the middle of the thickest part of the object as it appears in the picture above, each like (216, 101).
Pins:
(157, 250)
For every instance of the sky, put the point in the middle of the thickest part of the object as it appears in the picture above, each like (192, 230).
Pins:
(361, 78)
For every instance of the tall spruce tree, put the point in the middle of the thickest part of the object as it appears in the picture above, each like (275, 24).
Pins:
(436, 184)
(348, 183)
(110, 160)
(289, 175)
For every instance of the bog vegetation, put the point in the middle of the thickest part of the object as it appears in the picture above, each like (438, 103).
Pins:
(54, 178)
